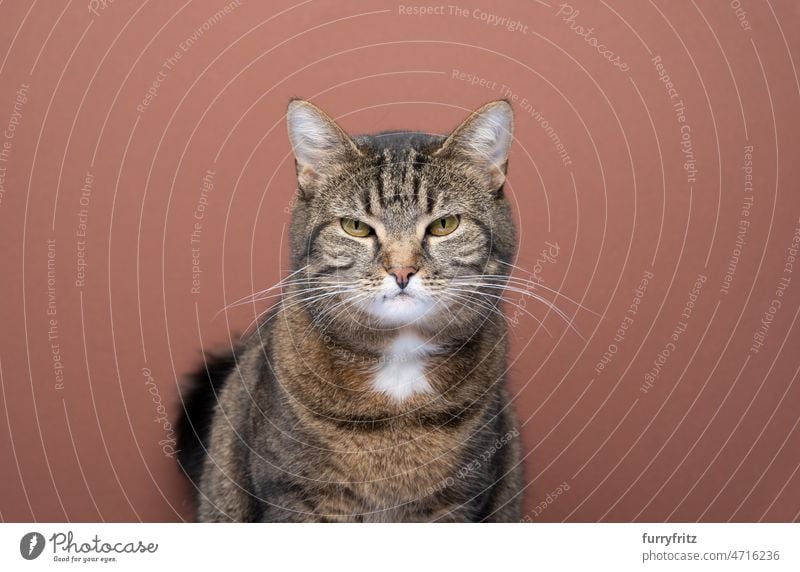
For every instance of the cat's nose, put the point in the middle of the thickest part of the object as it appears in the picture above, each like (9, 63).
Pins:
(402, 274)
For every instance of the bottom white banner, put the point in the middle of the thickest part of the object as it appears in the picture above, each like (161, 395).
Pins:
(387, 547)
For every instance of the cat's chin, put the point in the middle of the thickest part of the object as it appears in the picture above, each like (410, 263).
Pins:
(400, 310)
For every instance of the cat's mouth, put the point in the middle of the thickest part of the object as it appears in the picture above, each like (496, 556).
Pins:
(400, 301)
(401, 294)
(398, 308)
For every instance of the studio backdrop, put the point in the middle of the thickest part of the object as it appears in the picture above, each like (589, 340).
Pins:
(147, 181)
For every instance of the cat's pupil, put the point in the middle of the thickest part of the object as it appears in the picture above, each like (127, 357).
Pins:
(356, 225)
(443, 222)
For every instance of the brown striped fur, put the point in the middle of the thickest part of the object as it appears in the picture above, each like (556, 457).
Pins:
(292, 428)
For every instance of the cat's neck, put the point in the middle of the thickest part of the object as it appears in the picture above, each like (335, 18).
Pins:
(383, 375)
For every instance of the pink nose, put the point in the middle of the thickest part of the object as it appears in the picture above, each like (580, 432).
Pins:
(402, 274)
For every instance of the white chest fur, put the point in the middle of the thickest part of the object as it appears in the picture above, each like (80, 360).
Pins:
(402, 371)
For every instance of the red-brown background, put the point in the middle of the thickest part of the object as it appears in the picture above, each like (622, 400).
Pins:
(714, 438)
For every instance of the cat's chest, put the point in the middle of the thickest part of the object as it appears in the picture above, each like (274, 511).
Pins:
(403, 370)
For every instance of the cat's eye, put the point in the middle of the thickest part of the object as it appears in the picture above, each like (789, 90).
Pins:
(356, 228)
(443, 226)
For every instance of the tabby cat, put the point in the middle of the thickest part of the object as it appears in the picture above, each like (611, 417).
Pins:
(374, 390)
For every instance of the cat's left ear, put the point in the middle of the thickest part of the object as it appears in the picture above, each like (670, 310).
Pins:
(484, 140)
(319, 144)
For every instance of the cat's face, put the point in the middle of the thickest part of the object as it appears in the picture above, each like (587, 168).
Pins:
(401, 229)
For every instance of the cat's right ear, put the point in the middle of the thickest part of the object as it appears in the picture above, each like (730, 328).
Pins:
(484, 140)
(319, 144)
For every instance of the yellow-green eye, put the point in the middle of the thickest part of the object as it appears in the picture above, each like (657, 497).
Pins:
(355, 227)
(443, 226)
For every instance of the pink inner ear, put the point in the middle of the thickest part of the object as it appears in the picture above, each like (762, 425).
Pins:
(307, 180)
(306, 174)
(485, 138)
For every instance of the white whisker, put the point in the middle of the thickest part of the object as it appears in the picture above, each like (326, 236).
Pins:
(533, 285)
(569, 321)
(474, 293)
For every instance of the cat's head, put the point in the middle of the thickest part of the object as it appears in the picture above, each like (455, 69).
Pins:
(401, 229)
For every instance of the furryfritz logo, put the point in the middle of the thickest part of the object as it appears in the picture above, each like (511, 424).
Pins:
(31, 545)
